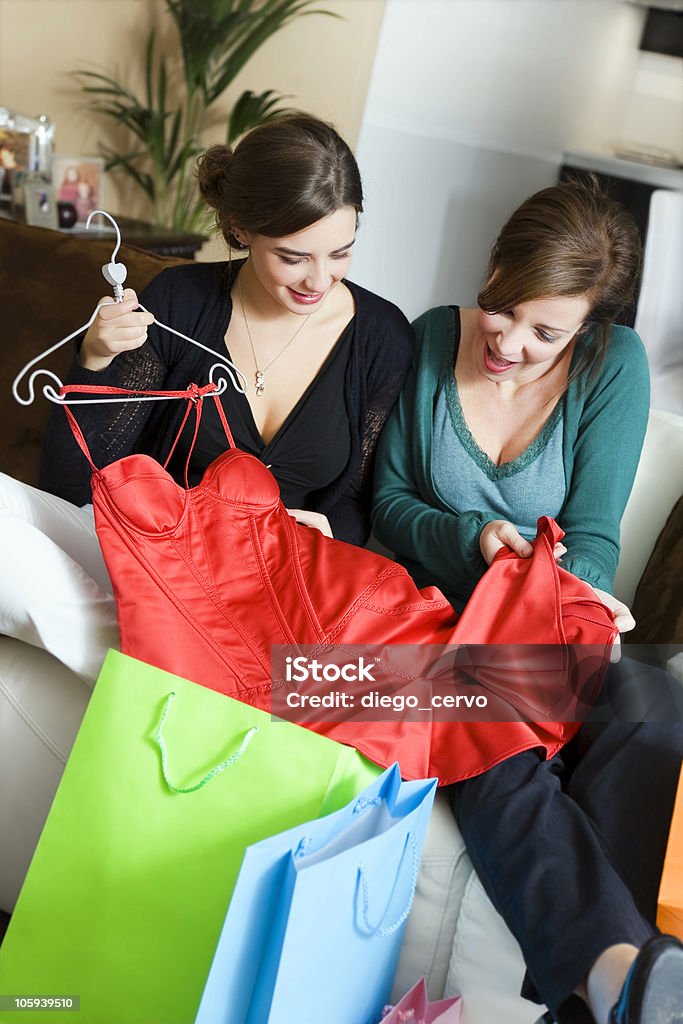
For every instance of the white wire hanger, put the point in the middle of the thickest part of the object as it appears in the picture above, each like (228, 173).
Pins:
(115, 274)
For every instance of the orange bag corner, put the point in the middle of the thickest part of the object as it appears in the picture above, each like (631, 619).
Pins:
(670, 900)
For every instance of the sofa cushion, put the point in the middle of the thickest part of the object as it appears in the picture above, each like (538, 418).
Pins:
(51, 284)
(657, 487)
(486, 966)
(444, 871)
(41, 707)
(658, 604)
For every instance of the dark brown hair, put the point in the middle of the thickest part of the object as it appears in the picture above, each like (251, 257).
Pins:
(570, 239)
(281, 177)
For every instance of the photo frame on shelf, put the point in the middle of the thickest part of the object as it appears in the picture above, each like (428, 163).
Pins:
(79, 180)
(40, 203)
(25, 149)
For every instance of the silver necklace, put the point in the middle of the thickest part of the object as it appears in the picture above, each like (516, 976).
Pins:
(259, 377)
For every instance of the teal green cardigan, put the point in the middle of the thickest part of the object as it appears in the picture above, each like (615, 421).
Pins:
(604, 427)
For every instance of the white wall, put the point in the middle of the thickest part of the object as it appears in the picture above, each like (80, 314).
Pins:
(471, 104)
(654, 113)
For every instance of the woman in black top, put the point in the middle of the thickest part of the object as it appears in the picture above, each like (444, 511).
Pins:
(324, 360)
(330, 356)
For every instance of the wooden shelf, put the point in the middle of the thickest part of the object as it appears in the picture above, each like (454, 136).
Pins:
(163, 241)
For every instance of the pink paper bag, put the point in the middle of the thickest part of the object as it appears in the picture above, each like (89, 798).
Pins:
(415, 1008)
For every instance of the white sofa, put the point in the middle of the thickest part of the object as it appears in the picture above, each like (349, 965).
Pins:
(454, 937)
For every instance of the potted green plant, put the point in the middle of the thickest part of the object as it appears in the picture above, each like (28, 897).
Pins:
(217, 38)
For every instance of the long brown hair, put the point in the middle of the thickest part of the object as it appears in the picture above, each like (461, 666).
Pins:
(281, 177)
(569, 239)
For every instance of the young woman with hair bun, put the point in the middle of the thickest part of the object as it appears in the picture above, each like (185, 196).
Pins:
(324, 359)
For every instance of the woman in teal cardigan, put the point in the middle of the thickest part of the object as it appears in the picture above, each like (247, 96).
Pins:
(536, 404)
(601, 422)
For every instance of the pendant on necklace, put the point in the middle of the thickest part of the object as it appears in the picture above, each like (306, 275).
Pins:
(260, 382)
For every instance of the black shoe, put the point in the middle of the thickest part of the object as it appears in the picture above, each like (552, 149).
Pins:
(653, 990)
(573, 1011)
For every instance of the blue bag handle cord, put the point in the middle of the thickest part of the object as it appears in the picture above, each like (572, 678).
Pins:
(158, 736)
(384, 932)
(361, 805)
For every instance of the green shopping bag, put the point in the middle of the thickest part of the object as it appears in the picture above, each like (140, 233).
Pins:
(128, 889)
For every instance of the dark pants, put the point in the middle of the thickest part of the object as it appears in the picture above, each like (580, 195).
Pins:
(570, 850)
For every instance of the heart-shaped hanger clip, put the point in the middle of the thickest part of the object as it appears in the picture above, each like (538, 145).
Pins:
(115, 274)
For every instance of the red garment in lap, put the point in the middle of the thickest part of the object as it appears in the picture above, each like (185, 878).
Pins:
(207, 579)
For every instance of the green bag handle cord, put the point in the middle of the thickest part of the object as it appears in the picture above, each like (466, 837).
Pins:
(384, 932)
(158, 736)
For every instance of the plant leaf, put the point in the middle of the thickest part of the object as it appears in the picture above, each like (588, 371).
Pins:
(123, 162)
(252, 109)
(268, 19)
(216, 38)
(149, 61)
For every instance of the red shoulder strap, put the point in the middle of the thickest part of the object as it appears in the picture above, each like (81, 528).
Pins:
(194, 394)
(78, 437)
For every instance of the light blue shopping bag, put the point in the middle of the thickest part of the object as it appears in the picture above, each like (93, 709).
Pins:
(315, 924)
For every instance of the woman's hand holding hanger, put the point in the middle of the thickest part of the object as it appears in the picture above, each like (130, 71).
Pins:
(116, 328)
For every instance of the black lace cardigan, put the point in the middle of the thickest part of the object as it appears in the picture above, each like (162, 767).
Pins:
(195, 299)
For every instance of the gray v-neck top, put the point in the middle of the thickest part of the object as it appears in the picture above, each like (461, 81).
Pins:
(466, 478)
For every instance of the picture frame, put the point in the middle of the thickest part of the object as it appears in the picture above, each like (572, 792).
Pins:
(25, 149)
(40, 203)
(79, 180)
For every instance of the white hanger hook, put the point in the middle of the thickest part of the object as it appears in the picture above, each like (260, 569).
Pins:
(103, 213)
(114, 273)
